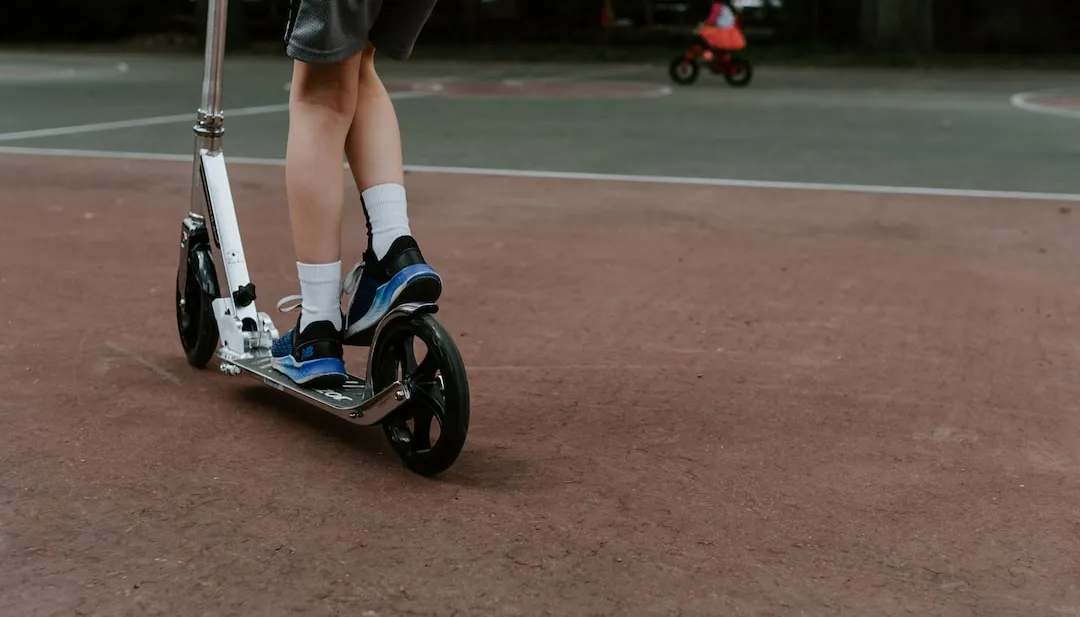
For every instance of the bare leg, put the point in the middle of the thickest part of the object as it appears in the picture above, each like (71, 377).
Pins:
(373, 145)
(322, 102)
(321, 105)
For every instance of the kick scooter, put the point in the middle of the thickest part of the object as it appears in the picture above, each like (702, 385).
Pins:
(422, 406)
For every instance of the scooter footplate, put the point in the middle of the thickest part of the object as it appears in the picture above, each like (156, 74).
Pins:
(347, 398)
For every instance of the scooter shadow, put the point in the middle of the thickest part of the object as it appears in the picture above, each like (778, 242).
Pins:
(367, 439)
(478, 468)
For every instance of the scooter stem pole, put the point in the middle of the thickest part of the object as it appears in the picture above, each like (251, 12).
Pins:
(215, 52)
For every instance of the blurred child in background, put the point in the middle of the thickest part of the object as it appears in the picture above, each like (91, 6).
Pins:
(721, 28)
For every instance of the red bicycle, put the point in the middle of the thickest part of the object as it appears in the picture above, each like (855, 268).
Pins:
(685, 69)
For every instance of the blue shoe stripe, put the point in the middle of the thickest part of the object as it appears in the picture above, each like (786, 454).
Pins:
(388, 293)
(303, 372)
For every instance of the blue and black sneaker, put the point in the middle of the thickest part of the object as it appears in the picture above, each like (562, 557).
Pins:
(377, 286)
(313, 357)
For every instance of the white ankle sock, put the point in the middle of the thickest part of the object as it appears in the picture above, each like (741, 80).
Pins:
(320, 288)
(388, 215)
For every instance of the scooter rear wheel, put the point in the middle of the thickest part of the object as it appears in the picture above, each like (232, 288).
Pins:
(428, 433)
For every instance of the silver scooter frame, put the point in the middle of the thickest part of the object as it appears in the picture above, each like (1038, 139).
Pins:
(246, 335)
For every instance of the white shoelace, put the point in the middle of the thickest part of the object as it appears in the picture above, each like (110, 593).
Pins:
(349, 286)
(283, 304)
(352, 281)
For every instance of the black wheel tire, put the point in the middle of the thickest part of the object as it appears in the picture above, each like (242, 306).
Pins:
(195, 321)
(448, 403)
(683, 72)
(743, 73)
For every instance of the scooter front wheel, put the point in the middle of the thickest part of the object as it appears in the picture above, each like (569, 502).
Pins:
(196, 289)
(428, 432)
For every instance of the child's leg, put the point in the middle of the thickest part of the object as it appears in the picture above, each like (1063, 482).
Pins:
(373, 147)
(322, 99)
(321, 104)
(325, 40)
(394, 269)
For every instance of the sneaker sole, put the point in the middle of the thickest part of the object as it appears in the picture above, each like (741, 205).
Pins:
(317, 373)
(425, 286)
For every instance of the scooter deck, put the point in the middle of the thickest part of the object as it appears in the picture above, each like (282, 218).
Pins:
(347, 398)
(351, 402)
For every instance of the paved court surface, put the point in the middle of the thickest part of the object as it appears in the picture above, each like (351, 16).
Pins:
(903, 128)
(696, 396)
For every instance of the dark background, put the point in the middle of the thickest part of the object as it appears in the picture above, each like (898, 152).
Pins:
(862, 26)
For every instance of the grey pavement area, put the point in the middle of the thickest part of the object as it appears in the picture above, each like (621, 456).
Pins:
(942, 129)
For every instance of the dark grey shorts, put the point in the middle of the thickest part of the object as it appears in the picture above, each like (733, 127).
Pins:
(325, 31)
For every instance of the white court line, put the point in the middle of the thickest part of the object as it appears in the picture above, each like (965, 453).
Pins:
(133, 123)
(425, 80)
(596, 177)
(592, 73)
(156, 120)
(656, 91)
(48, 74)
(1020, 100)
